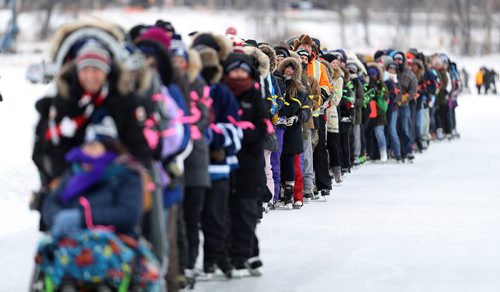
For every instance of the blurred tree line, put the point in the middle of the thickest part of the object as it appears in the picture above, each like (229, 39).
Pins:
(463, 19)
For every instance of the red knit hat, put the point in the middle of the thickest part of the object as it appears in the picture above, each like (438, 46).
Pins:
(158, 35)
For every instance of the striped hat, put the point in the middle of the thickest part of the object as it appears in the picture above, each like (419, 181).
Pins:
(93, 54)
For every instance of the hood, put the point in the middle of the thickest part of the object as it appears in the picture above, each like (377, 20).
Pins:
(379, 69)
(109, 34)
(345, 74)
(271, 54)
(210, 59)
(261, 61)
(225, 47)
(361, 67)
(290, 61)
(195, 65)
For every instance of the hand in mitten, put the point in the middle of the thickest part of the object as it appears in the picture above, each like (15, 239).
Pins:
(291, 121)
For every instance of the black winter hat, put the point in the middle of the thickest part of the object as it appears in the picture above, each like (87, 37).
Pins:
(378, 54)
(166, 25)
(241, 61)
(206, 40)
(342, 52)
(317, 42)
(136, 31)
(251, 43)
(282, 51)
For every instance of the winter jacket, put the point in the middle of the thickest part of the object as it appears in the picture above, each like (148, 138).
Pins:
(116, 201)
(250, 178)
(345, 109)
(196, 165)
(359, 93)
(224, 136)
(53, 138)
(380, 95)
(318, 71)
(292, 139)
(409, 85)
(332, 125)
(443, 91)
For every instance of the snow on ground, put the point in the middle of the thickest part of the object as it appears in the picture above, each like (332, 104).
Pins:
(430, 226)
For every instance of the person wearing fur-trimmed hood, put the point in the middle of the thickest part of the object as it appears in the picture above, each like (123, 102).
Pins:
(291, 70)
(90, 90)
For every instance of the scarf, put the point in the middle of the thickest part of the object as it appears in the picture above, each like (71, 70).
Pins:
(82, 180)
(239, 85)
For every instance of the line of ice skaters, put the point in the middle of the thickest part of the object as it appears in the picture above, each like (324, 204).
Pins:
(222, 131)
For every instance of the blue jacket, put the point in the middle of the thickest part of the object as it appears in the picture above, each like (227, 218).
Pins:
(115, 201)
(224, 105)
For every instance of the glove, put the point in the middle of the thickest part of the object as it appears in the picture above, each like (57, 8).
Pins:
(281, 121)
(291, 121)
(66, 221)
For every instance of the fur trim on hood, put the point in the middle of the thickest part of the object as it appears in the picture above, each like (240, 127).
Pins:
(67, 72)
(224, 44)
(361, 67)
(294, 55)
(290, 61)
(69, 34)
(261, 61)
(337, 73)
(195, 65)
(379, 69)
(271, 54)
(210, 59)
(345, 74)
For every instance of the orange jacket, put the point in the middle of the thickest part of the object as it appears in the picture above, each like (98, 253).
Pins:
(479, 78)
(318, 71)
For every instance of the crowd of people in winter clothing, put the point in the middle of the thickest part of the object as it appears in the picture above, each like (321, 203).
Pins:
(143, 136)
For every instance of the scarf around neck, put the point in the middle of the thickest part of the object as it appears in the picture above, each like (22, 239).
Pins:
(81, 180)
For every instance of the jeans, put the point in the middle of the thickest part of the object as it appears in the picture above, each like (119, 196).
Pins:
(380, 136)
(405, 122)
(426, 122)
(308, 170)
(392, 131)
(276, 162)
(357, 140)
(419, 119)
